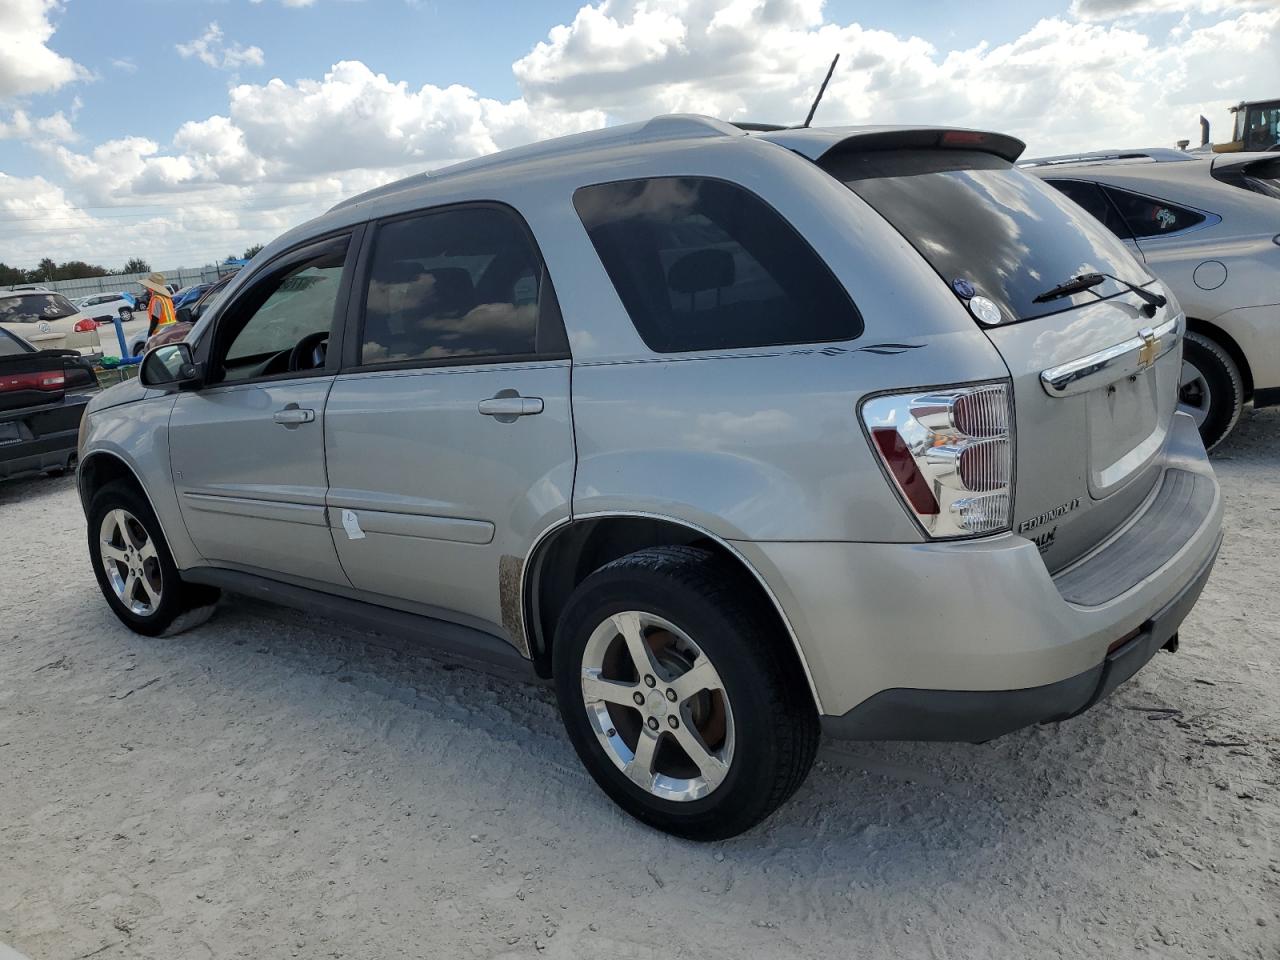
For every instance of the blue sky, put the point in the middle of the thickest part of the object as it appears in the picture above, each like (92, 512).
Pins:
(112, 111)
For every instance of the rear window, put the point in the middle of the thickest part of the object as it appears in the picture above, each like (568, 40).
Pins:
(702, 264)
(34, 307)
(975, 217)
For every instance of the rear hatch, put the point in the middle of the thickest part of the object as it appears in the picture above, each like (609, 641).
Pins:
(1094, 369)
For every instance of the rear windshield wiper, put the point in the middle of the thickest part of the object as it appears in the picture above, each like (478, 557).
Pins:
(1088, 280)
(1074, 285)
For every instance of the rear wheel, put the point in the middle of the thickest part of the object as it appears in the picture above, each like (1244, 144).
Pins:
(683, 703)
(1210, 388)
(134, 567)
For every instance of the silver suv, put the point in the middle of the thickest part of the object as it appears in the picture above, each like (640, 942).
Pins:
(736, 437)
(1208, 225)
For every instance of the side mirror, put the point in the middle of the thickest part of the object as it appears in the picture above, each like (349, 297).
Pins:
(171, 367)
(184, 315)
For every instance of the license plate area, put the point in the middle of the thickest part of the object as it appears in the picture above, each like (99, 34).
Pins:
(1126, 430)
(9, 434)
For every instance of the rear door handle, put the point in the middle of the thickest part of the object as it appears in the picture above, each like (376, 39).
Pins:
(293, 416)
(508, 408)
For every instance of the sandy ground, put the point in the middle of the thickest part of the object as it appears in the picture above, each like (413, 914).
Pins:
(269, 785)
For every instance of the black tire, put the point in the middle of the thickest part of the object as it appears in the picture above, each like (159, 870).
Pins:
(775, 724)
(1225, 388)
(176, 597)
(126, 315)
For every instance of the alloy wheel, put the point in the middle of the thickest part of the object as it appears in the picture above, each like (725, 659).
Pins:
(131, 563)
(657, 706)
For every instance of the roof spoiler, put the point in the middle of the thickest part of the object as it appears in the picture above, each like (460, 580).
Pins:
(819, 143)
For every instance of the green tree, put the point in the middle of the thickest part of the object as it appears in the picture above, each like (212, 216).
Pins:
(136, 265)
(45, 271)
(251, 252)
(9, 276)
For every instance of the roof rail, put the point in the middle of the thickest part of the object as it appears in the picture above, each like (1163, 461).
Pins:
(673, 126)
(1148, 154)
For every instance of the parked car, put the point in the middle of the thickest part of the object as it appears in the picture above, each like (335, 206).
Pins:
(1209, 227)
(104, 307)
(50, 321)
(717, 430)
(42, 401)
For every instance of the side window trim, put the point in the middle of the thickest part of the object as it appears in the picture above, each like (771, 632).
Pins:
(548, 302)
(210, 347)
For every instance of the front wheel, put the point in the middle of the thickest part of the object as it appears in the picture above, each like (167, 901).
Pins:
(680, 698)
(134, 567)
(1210, 388)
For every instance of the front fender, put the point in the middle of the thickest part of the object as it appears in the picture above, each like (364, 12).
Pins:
(134, 437)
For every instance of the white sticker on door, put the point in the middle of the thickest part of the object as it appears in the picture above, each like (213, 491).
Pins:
(351, 524)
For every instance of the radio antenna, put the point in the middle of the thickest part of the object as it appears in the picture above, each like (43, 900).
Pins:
(821, 90)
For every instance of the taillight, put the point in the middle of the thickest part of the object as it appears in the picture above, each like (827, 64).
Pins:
(14, 382)
(85, 326)
(950, 454)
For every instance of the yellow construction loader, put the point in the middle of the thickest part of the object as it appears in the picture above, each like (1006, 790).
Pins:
(1256, 128)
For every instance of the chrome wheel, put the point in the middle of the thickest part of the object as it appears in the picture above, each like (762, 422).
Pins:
(1193, 393)
(131, 562)
(657, 706)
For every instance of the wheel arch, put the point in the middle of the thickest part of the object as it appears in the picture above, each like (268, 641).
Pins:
(100, 467)
(566, 553)
(1220, 336)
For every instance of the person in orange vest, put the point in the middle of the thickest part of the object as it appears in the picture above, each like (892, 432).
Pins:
(160, 310)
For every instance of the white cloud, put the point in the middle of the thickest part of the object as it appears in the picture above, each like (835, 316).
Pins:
(27, 65)
(20, 126)
(212, 48)
(1115, 9)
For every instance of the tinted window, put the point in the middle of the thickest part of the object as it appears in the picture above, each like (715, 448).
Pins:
(34, 307)
(974, 216)
(706, 265)
(465, 282)
(1148, 217)
(1090, 196)
(282, 309)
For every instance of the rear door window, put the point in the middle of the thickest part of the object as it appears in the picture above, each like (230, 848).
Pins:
(1090, 196)
(1149, 217)
(458, 284)
(701, 264)
(974, 216)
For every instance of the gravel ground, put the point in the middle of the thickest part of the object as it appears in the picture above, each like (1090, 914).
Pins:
(272, 785)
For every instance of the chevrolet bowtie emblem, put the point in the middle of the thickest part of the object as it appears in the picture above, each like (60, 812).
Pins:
(1150, 346)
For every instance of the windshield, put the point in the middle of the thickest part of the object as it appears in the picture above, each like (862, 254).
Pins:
(34, 307)
(1262, 127)
(975, 217)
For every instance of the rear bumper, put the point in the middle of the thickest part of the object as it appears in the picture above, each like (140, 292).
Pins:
(47, 437)
(930, 631)
(979, 715)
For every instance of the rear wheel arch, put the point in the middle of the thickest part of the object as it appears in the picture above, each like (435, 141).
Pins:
(569, 553)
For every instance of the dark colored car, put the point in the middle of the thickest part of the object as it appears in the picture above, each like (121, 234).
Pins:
(42, 398)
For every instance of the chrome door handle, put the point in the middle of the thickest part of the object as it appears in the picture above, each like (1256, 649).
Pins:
(293, 416)
(507, 409)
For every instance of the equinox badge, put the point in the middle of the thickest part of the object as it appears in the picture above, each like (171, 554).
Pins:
(1150, 348)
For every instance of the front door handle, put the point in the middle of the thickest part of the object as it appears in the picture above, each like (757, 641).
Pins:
(293, 416)
(507, 408)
